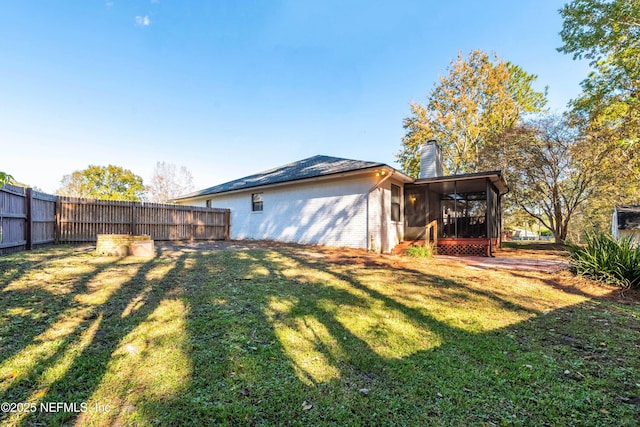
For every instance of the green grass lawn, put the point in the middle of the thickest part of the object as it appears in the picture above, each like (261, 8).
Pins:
(308, 336)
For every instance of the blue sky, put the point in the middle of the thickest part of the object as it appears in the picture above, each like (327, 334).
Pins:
(230, 88)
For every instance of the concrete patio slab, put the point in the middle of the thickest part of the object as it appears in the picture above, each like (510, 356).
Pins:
(512, 263)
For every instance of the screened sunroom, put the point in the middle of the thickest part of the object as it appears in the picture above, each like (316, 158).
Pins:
(461, 214)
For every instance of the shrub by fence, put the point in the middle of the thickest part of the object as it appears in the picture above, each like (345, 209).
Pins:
(29, 219)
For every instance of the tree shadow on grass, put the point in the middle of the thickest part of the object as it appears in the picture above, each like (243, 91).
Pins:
(510, 375)
(269, 362)
(266, 331)
(586, 290)
(450, 288)
(14, 266)
(29, 311)
(94, 329)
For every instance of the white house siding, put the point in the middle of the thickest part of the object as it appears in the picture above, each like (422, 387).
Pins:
(385, 234)
(331, 213)
(394, 230)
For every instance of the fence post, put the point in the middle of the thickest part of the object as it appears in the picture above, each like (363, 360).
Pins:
(134, 224)
(227, 228)
(29, 225)
(191, 226)
(58, 224)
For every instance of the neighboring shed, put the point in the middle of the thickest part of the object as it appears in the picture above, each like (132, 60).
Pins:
(626, 222)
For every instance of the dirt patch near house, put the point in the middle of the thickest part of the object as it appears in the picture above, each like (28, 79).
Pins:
(222, 245)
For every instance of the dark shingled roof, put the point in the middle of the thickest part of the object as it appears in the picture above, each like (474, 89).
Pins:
(312, 167)
(628, 217)
(495, 177)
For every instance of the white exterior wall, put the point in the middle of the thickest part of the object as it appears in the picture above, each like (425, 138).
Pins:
(385, 234)
(330, 213)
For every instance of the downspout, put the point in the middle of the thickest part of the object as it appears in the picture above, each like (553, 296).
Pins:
(501, 225)
(367, 207)
(498, 221)
(455, 208)
(491, 222)
(500, 213)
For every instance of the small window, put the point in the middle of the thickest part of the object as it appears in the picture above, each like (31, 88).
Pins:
(256, 202)
(395, 203)
(209, 203)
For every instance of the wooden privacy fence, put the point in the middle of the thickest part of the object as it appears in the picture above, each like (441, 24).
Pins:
(80, 220)
(29, 219)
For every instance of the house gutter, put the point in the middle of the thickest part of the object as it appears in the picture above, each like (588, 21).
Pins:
(367, 207)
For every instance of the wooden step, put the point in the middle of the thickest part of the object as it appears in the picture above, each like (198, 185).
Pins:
(402, 247)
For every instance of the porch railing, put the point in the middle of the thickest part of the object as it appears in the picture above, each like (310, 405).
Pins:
(464, 226)
(432, 226)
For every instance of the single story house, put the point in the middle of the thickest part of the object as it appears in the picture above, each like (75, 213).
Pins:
(353, 203)
(626, 222)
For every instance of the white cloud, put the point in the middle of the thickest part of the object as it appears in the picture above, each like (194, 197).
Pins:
(143, 21)
(109, 4)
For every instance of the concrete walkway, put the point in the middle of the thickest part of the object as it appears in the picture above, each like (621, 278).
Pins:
(520, 264)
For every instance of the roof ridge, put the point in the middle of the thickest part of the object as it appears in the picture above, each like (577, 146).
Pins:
(310, 167)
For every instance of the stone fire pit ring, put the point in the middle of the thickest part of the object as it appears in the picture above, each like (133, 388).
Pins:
(125, 245)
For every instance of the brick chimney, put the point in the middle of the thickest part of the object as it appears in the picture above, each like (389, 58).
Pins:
(430, 160)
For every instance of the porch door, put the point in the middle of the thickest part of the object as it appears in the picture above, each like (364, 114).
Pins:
(416, 206)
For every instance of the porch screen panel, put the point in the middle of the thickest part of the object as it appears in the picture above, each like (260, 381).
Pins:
(463, 215)
(415, 207)
(494, 212)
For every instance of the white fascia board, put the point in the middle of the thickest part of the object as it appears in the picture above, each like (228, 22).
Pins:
(387, 170)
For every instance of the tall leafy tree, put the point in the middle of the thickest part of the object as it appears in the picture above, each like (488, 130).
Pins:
(169, 182)
(554, 170)
(478, 99)
(618, 183)
(103, 182)
(607, 33)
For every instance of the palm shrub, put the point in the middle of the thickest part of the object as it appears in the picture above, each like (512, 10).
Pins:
(608, 260)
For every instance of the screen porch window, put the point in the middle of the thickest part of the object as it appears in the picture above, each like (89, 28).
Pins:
(395, 203)
(256, 202)
(463, 215)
